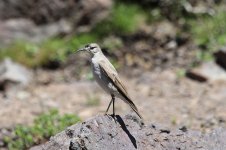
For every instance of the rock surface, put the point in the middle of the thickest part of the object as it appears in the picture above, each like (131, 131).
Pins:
(44, 12)
(25, 30)
(38, 20)
(220, 57)
(13, 73)
(102, 132)
(208, 71)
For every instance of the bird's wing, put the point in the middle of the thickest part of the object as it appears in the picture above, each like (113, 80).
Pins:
(107, 68)
(111, 73)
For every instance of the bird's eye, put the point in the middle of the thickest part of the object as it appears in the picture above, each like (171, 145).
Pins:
(92, 47)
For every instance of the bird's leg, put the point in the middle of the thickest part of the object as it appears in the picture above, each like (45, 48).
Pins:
(113, 99)
(109, 106)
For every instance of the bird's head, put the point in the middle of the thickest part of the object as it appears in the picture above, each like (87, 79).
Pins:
(92, 48)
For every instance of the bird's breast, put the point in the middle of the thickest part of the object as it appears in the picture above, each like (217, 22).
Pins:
(96, 70)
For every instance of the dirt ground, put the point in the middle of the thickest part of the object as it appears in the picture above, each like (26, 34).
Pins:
(161, 96)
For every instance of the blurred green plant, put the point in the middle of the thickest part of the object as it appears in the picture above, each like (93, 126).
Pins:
(209, 33)
(204, 55)
(180, 73)
(124, 19)
(89, 76)
(174, 120)
(161, 9)
(36, 55)
(45, 126)
(153, 15)
(80, 40)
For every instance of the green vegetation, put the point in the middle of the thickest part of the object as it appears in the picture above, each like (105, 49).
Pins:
(124, 19)
(180, 73)
(45, 126)
(174, 120)
(209, 32)
(36, 55)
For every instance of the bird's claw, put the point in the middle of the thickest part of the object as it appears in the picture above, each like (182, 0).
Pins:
(111, 117)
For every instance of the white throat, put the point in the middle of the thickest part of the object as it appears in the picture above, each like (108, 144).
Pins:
(98, 54)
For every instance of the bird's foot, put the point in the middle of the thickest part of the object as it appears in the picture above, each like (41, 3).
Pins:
(111, 117)
(114, 117)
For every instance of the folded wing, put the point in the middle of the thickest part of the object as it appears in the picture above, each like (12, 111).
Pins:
(112, 75)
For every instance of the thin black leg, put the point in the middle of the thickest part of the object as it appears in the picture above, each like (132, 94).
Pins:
(108, 106)
(113, 99)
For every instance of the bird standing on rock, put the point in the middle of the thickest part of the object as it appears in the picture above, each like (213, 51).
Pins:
(107, 77)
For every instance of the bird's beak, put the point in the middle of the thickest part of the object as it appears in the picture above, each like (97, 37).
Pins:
(79, 50)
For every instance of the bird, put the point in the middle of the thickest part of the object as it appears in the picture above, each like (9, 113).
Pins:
(107, 77)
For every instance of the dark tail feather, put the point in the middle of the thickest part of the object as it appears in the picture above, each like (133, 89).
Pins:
(132, 105)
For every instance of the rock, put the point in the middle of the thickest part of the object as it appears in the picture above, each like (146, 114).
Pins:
(163, 30)
(195, 76)
(102, 132)
(198, 10)
(22, 95)
(89, 12)
(49, 11)
(26, 30)
(208, 71)
(37, 20)
(13, 73)
(220, 57)
(171, 45)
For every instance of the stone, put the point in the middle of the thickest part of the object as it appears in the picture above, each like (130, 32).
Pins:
(22, 95)
(26, 30)
(208, 71)
(129, 132)
(49, 11)
(220, 57)
(38, 20)
(14, 73)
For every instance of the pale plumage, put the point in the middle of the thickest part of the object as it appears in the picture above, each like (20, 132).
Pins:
(107, 76)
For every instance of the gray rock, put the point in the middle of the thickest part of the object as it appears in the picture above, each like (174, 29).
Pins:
(37, 20)
(102, 132)
(198, 9)
(220, 57)
(14, 73)
(26, 30)
(208, 71)
(48, 11)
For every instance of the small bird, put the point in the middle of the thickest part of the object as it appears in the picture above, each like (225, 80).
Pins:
(107, 77)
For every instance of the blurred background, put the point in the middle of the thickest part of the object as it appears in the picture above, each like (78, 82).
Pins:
(170, 54)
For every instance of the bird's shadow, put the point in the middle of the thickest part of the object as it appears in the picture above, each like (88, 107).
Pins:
(121, 122)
